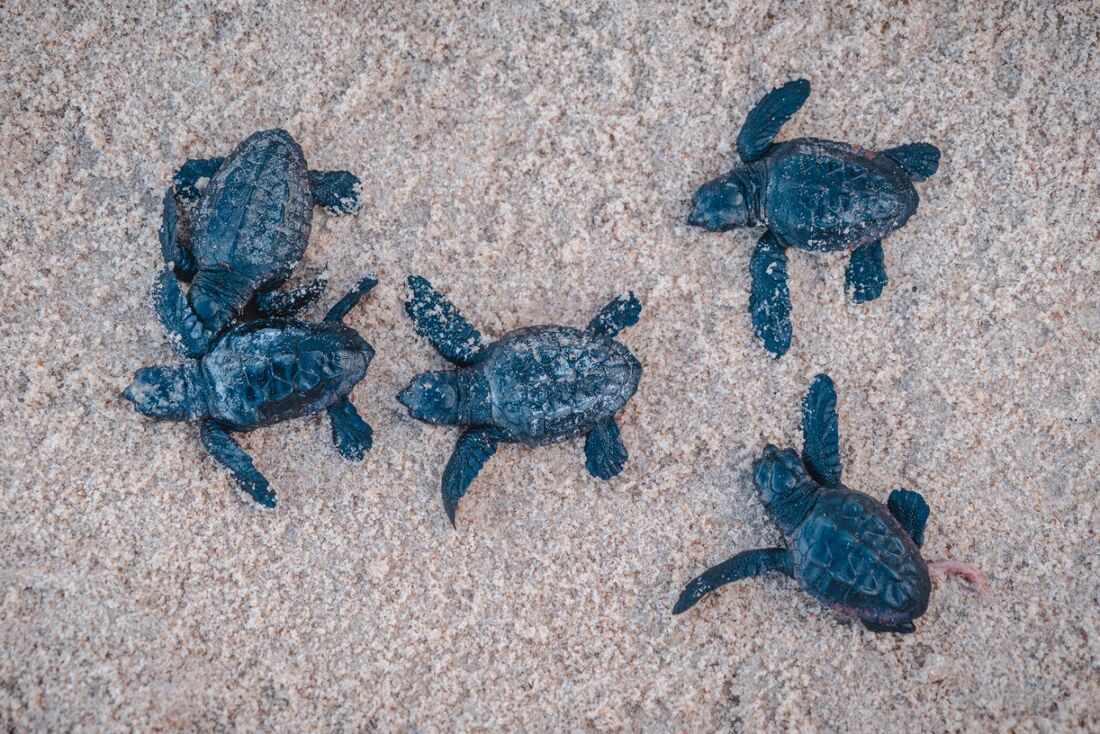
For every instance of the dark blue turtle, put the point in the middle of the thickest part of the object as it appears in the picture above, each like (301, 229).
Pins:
(262, 372)
(812, 194)
(248, 229)
(855, 555)
(536, 385)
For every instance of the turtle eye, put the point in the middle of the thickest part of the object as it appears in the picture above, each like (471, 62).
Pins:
(447, 397)
(733, 196)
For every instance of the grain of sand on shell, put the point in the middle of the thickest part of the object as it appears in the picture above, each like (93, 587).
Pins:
(534, 162)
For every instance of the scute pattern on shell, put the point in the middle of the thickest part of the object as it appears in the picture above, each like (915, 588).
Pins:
(256, 213)
(850, 554)
(552, 382)
(822, 195)
(268, 371)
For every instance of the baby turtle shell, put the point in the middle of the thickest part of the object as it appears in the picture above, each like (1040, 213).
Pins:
(854, 557)
(271, 370)
(823, 196)
(548, 383)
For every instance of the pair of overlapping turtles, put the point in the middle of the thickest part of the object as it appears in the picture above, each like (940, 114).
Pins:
(252, 363)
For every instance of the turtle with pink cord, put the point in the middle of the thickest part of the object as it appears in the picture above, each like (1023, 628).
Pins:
(855, 555)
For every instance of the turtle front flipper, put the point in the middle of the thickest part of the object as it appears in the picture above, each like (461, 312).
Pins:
(351, 434)
(820, 434)
(866, 272)
(437, 320)
(911, 512)
(770, 298)
(605, 454)
(178, 317)
(742, 566)
(229, 453)
(616, 315)
(770, 113)
(341, 308)
(336, 191)
(473, 449)
(186, 180)
(902, 628)
(289, 303)
(181, 259)
(920, 160)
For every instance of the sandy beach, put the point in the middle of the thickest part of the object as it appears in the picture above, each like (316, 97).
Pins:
(534, 161)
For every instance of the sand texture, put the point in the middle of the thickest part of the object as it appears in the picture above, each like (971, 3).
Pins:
(533, 162)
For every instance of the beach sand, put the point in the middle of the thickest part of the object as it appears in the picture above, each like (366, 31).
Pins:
(534, 162)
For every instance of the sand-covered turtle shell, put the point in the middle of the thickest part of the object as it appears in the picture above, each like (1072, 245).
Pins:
(266, 371)
(254, 216)
(821, 195)
(548, 383)
(853, 556)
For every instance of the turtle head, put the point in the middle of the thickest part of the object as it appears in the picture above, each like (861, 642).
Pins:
(454, 397)
(165, 392)
(785, 487)
(720, 205)
(219, 295)
(433, 397)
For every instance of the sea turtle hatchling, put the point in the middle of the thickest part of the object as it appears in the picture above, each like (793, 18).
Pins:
(853, 554)
(262, 372)
(534, 386)
(247, 229)
(812, 194)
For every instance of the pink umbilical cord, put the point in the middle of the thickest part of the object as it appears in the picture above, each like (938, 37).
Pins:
(956, 568)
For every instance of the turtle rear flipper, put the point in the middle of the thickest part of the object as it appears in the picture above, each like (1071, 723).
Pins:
(770, 298)
(178, 317)
(820, 434)
(911, 512)
(474, 448)
(605, 454)
(616, 315)
(770, 113)
(437, 320)
(920, 160)
(865, 275)
(742, 566)
(181, 259)
(336, 191)
(289, 303)
(351, 434)
(229, 453)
